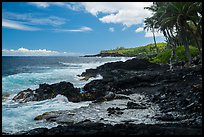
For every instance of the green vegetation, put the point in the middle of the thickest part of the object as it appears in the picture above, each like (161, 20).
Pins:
(149, 52)
(165, 56)
(181, 24)
(142, 51)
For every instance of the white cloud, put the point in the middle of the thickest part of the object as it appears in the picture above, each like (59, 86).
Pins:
(140, 29)
(82, 29)
(96, 7)
(126, 13)
(27, 52)
(17, 25)
(51, 20)
(31, 18)
(150, 34)
(111, 29)
(70, 5)
(40, 4)
(38, 52)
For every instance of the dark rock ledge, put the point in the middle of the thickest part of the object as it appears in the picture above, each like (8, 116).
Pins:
(178, 91)
(88, 128)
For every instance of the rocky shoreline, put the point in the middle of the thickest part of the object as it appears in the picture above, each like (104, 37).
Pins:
(118, 129)
(128, 89)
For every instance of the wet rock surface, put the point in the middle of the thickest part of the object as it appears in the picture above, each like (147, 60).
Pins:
(109, 69)
(132, 105)
(135, 97)
(112, 110)
(108, 112)
(46, 91)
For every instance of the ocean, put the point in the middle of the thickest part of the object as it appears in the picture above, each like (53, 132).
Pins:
(20, 73)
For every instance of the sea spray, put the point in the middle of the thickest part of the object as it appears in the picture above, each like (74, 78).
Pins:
(20, 116)
(29, 72)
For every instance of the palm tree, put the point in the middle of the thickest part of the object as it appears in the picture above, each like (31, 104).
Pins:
(160, 9)
(183, 13)
(180, 22)
(150, 26)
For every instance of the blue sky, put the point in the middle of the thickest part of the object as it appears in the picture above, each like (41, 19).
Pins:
(47, 28)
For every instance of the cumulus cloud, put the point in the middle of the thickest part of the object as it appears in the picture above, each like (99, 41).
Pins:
(150, 34)
(17, 25)
(27, 52)
(140, 29)
(82, 29)
(111, 29)
(126, 13)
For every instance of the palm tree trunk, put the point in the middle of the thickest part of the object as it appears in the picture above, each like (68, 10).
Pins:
(173, 44)
(183, 37)
(157, 50)
(187, 49)
(199, 44)
(199, 32)
(200, 51)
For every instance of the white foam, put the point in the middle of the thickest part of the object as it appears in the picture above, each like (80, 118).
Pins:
(21, 81)
(17, 117)
(20, 116)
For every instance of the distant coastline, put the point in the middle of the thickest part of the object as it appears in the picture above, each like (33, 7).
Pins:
(140, 52)
(105, 55)
(149, 52)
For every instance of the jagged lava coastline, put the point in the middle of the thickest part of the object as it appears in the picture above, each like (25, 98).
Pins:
(127, 89)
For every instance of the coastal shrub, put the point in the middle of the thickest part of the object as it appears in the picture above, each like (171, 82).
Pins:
(149, 52)
(143, 51)
(161, 57)
(164, 56)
